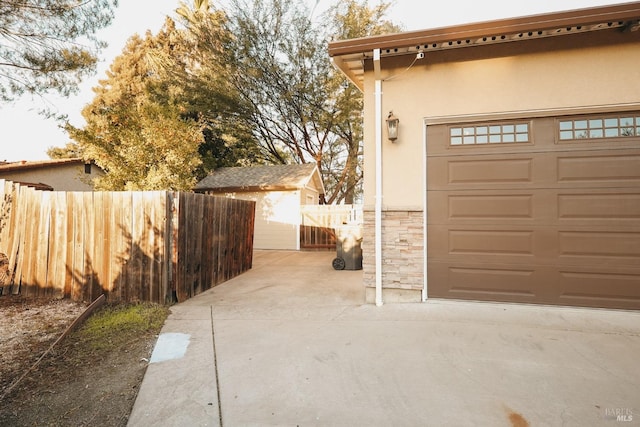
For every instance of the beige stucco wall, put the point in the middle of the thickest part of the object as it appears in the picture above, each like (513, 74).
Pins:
(70, 177)
(541, 82)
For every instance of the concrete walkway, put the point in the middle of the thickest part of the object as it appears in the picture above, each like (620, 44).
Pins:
(290, 343)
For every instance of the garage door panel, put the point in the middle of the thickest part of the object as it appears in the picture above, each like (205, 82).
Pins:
(506, 242)
(611, 287)
(603, 246)
(490, 206)
(492, 171)
(598, 206)
(485, 282)
(482, 244)
(599, 168)
(528, 207)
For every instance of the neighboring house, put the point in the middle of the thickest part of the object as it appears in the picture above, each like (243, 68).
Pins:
(278, 192)
(516, 172)
(57, 175)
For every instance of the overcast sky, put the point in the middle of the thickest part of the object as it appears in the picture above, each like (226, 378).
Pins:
(25, 135)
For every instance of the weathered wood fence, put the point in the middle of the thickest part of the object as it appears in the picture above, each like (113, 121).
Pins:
(131, 246)
(318, 223)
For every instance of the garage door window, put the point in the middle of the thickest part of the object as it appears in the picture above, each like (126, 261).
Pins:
(494, 133)
(599, 127)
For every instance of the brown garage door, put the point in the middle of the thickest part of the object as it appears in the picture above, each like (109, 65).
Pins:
(538, 211)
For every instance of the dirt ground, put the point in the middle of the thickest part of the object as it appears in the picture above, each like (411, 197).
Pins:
(76, 384)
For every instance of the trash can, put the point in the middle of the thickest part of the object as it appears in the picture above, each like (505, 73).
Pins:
(348, 247)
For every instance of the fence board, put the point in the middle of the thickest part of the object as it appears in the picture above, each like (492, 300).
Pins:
(116, 247)
(181, 248)
(30, 243)
(174, 243)
(6, 210)
(17, 227)
(103, 245)
(42, 245)
(57, 247)
(109, 244)
(10, 233)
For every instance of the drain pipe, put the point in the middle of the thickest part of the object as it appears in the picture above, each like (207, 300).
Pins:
(378, 201)
(424, 213)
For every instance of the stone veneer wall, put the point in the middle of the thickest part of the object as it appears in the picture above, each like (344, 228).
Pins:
(402, 250)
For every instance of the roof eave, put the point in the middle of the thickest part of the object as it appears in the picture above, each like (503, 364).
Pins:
(248, 188)
(349, 55)
(587, 16)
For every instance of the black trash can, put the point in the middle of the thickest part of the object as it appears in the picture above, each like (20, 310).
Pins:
(348, 247)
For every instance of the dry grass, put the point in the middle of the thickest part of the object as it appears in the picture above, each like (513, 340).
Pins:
(92, 377)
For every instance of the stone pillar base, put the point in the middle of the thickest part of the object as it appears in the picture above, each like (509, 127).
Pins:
(390, 296)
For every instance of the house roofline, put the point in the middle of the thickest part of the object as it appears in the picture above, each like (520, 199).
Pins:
(349, 55)
(39, 164)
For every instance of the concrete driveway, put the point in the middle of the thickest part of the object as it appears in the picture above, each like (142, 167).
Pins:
(290, 343)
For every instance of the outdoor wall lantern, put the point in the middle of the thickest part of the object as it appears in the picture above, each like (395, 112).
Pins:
(392, 127)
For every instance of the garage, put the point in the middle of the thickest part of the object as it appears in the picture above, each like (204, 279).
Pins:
(502, 159)
(541, 210)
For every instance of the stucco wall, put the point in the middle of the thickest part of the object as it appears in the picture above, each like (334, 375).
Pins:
(549, 78)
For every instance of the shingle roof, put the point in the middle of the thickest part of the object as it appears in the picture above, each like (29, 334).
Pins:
(260, 178)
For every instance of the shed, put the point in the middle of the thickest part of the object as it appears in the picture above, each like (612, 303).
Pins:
(278, 190)
(515, 175)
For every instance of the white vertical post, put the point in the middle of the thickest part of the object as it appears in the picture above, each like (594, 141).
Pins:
(425, 295)
(378, 201)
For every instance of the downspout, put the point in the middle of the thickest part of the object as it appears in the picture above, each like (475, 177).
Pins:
(378, 201)
(424, 212)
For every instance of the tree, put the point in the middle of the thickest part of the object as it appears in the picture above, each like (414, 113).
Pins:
(137, 129)
(49, 45)
(280, 70)
(70, 151)
(209, 92)
(298, 108)
(350, 19)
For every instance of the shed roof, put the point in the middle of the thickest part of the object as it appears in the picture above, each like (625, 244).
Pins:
(350, 55)
(262, 178)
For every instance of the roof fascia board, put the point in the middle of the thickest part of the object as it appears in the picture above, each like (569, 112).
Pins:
(588, 16)
(44, 164)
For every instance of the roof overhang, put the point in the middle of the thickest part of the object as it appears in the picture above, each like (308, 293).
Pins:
(40, 164)
(350, 55)
(248, 189)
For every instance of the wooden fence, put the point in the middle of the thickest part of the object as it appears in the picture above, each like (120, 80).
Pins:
(131, 246)
(318, 223)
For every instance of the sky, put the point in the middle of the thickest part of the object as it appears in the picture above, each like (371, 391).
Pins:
(26, 135)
